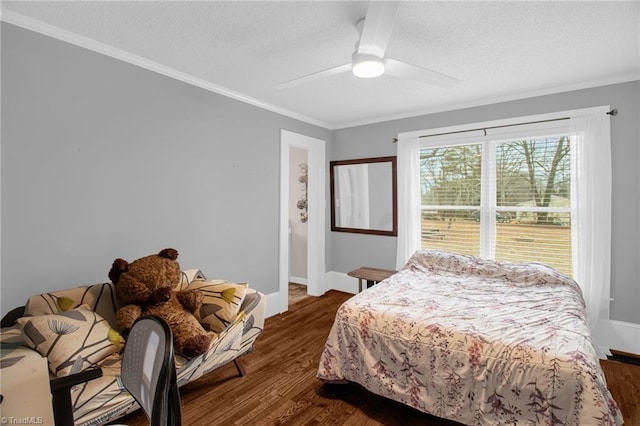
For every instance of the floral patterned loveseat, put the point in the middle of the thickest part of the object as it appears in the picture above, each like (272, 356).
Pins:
(73, 329)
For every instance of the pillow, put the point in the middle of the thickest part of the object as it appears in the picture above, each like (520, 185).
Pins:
(221, 302)
(100, 298)
(72, 341)
(189, 275)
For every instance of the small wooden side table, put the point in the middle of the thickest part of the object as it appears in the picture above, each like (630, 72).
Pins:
(371, 275)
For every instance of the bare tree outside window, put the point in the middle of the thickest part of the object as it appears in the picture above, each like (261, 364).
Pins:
(531, 204)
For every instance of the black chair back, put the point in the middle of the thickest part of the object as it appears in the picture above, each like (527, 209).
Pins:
(149, 371)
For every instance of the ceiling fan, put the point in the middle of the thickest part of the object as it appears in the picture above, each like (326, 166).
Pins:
(369, 59)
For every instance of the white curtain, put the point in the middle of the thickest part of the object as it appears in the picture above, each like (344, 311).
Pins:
(408, 199)
(592, 212)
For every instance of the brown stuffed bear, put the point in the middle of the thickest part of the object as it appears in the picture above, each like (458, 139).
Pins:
(146, 287)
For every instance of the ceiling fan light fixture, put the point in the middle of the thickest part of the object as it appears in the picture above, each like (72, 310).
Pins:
(366, 66)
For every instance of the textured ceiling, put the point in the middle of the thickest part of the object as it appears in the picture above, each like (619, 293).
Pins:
(500, 50)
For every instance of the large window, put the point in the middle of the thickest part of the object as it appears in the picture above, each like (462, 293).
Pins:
(509, 200)
(534, 188)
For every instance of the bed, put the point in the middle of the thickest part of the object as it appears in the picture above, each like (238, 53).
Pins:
(475, 341)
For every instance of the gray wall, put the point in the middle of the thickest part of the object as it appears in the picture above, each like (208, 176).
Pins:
(102, 159)
(350, 251)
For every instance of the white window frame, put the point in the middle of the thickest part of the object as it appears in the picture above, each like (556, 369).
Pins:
(488, 140)
(592, 267)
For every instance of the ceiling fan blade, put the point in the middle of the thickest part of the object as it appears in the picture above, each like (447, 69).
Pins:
(316, 75)
(377, 28)
(404, 70)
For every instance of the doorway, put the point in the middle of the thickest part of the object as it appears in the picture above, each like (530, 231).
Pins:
(298, 216)
(290, 145)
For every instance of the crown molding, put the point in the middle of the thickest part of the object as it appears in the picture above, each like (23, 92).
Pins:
(491, 101)
(119, 54)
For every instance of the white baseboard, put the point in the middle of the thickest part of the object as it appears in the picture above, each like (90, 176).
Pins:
(333, 281)
(623, 336)
(298, 280)
(273, 299)
(273, 304)
(341, 282)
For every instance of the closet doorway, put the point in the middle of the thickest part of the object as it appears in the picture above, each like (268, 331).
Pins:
(293, 147)
(298, 218)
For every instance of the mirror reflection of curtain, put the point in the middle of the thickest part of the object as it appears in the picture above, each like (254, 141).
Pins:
(381, 196)
(352, 197)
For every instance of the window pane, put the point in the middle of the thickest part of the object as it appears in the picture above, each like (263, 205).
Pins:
(531, 204)
(450, 190)
(451, 176)
(528, 241)
(534, 173)
(451, 230)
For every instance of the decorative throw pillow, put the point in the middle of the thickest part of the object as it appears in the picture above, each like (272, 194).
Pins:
(221, 302)
(189, 275)
(72, 341)
(100, 298)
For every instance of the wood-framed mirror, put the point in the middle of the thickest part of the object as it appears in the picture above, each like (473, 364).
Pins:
(364, 197)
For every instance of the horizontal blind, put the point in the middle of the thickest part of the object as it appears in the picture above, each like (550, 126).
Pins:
(450, 189)
(504, 195)
(533, 200)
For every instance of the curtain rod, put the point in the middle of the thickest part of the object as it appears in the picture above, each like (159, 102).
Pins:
(613, 112)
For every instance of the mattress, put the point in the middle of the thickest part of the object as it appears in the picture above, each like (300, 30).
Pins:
(474, 341)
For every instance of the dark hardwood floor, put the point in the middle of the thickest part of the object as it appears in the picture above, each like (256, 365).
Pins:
(281, 385)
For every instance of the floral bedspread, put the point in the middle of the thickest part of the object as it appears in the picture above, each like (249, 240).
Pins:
(474, 341)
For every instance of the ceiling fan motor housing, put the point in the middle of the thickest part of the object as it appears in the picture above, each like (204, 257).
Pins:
(366, 66)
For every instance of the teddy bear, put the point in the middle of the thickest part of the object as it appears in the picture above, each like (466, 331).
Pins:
(147, 287)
